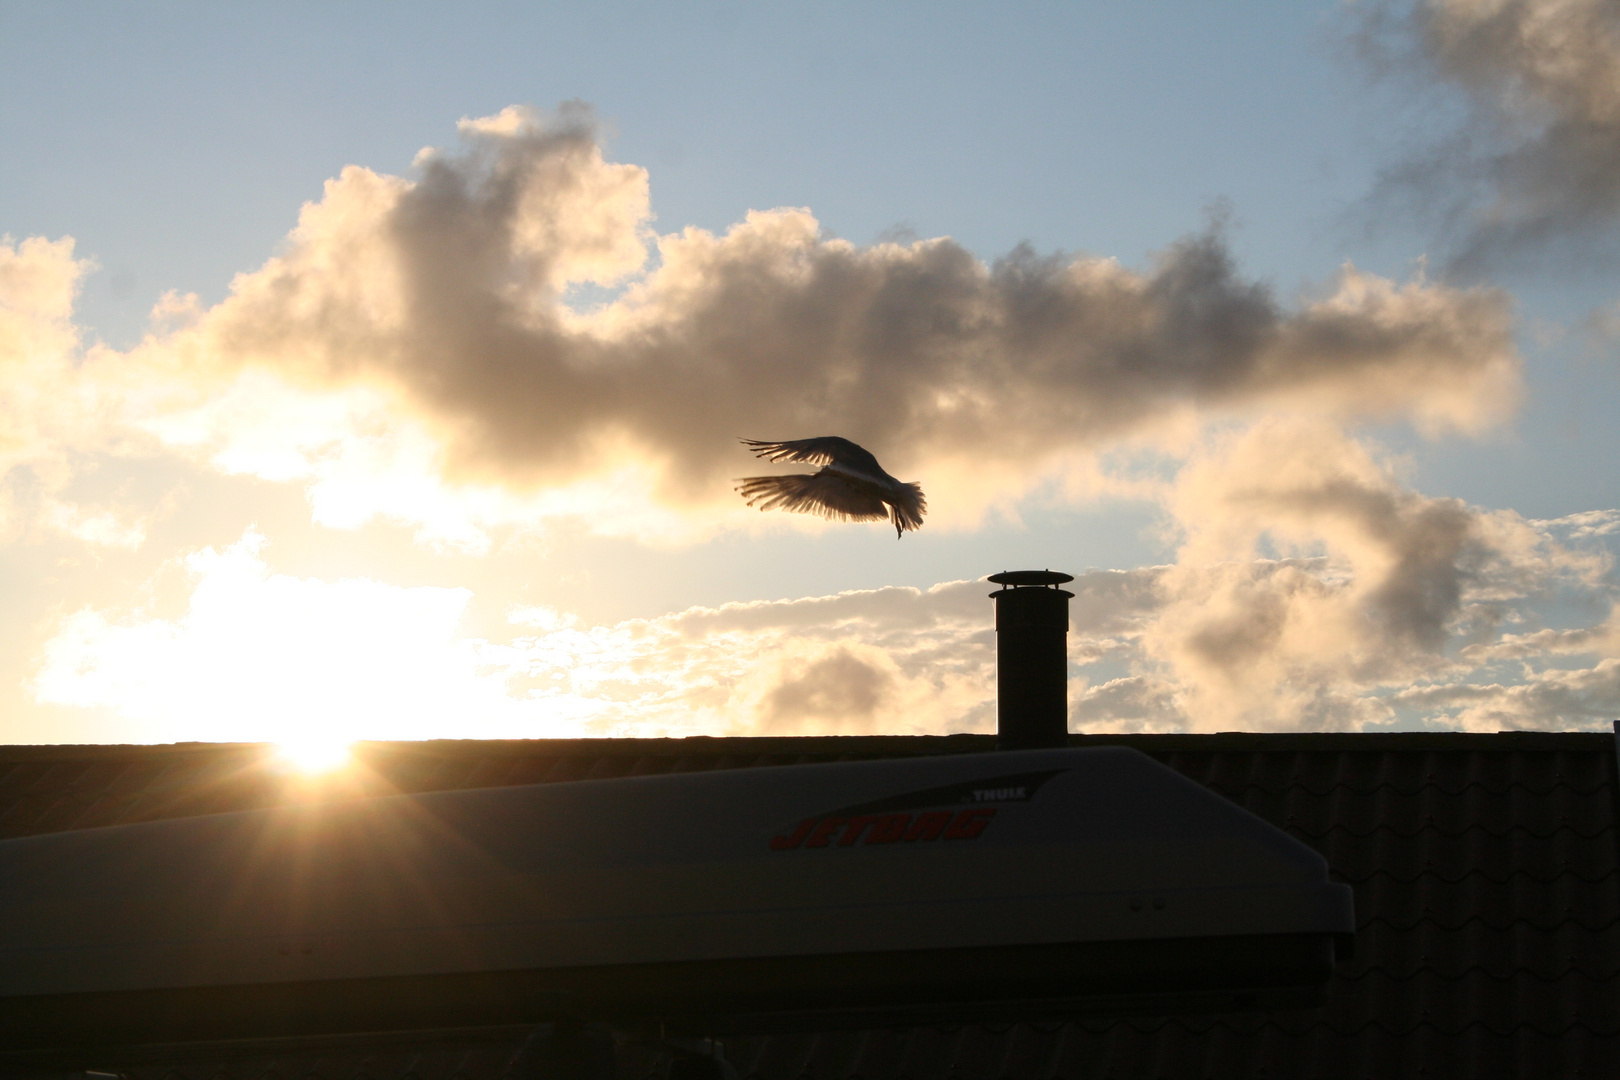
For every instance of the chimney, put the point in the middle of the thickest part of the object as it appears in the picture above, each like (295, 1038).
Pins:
(1032, 659)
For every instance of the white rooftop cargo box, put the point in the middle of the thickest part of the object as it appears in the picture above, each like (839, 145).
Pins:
(1019, 884)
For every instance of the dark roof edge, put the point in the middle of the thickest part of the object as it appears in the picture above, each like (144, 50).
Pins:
(824, 746)
(1295, 741)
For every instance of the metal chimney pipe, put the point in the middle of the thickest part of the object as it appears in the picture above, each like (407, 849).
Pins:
(1032, 659)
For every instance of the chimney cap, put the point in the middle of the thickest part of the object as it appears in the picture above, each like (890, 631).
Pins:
(1025, 578)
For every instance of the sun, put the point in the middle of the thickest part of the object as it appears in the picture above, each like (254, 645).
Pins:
(313, 754)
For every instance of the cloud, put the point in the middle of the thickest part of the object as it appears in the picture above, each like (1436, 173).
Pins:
(1130, 703)
(502, 339)
(426, 326)
(1553, 700)
(1310, 579)
(830, 694)
(38, 281)
(103, 529)
(254, 654)
(52, 414)
(1220, 640)
(1540, 157)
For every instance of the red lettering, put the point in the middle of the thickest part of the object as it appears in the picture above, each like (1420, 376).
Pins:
(970, 823)
(857, 825)
(788, 843)
(888, 828)
(928, 826)
(823, 831)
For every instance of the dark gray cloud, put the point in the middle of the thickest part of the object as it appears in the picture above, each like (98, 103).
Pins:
(449, 291)
(1384, 584)
(837, 689)
(1538, 158)
(1553, 700)
(1130, 703)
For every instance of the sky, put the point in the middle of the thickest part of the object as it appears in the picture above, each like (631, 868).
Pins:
(378, 370)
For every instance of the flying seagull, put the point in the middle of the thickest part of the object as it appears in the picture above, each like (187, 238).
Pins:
(851, 485)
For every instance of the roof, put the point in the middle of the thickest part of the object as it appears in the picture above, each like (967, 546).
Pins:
(1484, 868)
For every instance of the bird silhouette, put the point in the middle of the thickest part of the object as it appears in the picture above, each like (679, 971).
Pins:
(851, 485)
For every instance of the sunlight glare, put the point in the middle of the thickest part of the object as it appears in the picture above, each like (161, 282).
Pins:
(313, 754)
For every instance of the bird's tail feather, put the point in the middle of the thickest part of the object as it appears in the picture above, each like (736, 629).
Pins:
(907, 511)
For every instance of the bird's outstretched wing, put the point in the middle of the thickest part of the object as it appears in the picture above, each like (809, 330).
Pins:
(825, 493)
(822, 450)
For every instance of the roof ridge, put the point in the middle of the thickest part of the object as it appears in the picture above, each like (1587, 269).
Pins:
(1337, 741)
(1473, 826)
(1476, 872)
(1184, 1023)
(1426, 968)
(1422, 920)
(1596, 788)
